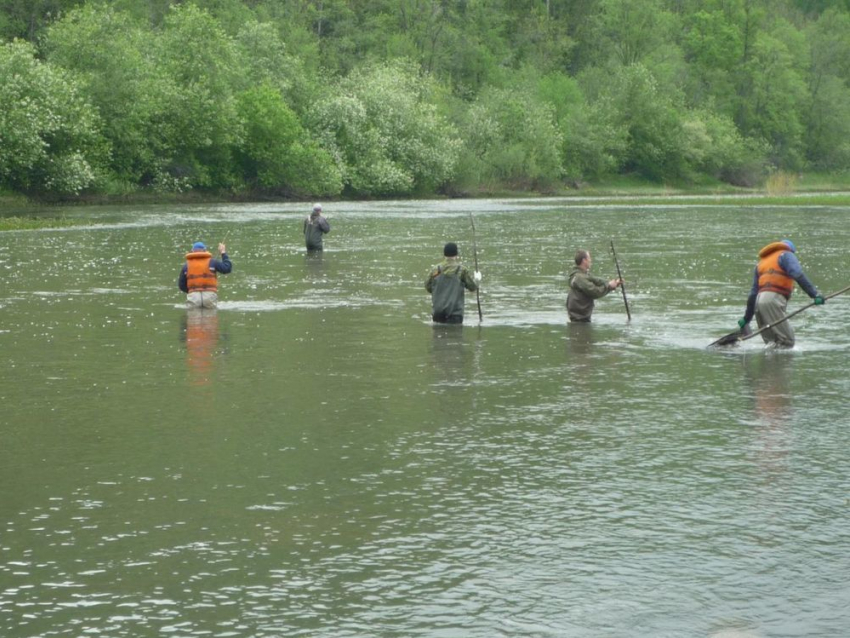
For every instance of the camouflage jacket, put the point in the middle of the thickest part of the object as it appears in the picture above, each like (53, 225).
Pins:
(584, 288)
(446, 282)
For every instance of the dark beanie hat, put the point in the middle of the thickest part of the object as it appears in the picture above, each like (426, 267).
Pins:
(450, 250)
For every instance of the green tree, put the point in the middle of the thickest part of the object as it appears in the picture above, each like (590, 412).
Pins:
(110, 52)
(714, 146)
(277, 154)
(265, 59)
(827, 121)
(593, 144)
(774, 95)
(632, 30)
(713, 43)
(630, 99)
(27, 18)
(816, 7)
(596, 141)
(382, 127)
(202, 123)
(422, 30)
(49, 140)
(511, 138)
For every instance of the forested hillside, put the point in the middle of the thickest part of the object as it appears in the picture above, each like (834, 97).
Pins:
(375, 98)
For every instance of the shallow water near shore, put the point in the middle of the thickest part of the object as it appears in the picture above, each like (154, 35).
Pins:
(316, 459)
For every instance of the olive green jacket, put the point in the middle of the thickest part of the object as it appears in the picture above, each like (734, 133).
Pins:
(584, 288)
(446, 283)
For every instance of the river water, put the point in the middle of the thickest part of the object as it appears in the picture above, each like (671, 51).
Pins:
(316, 459)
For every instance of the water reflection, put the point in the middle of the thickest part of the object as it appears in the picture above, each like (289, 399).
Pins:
(315, 263)
(579, 342)
(451, 359)
(200, 332)
(769, 375)
(456, 368)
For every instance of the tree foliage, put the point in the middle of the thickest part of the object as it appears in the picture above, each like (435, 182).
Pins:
(277, 154)
(512, 139)
(384, 133)
(403, 97)
(49, 133)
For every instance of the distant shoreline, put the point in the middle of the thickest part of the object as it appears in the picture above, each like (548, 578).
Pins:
(20, 213)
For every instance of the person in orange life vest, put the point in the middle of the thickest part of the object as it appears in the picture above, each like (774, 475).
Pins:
(198, 278)
(773, 282)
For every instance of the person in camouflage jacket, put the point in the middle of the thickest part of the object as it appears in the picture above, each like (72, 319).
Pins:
(584, 288)
(447, 283)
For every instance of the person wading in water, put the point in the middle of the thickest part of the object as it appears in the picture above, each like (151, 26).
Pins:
(199, 275)
(773, 282)
(447, 283)
(315, 226)
(584, 288)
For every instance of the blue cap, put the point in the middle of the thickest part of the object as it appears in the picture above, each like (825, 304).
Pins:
(198, 245)
(790, 245)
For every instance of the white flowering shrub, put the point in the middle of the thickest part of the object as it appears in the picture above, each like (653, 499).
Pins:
(49, 139)
(384, 133)
(112, 55)
(511, 139)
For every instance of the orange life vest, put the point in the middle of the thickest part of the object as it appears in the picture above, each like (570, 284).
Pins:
(771, 275)
(199, 277)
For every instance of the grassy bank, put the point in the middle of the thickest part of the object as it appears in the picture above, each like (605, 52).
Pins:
(20, 222)
(782, 189)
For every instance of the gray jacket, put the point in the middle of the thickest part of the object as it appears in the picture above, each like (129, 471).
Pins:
(314, 227)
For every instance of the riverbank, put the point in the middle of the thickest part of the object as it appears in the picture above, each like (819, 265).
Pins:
(35, 222)
(18, 212)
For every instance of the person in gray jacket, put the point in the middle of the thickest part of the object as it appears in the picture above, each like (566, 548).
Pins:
(584, 288)
(314, 227)
(447, 283)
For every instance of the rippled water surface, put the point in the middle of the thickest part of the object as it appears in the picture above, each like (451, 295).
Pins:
(315, 459)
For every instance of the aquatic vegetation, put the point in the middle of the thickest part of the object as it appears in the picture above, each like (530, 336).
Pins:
(35, 223)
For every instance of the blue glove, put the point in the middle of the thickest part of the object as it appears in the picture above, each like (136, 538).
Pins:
(819, 300)
(742, 322)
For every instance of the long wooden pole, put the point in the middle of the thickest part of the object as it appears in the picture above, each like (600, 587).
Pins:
(791, 314)
(622, 282)
(735, 337)
(475, 258)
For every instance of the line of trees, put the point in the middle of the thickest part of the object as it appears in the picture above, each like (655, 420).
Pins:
(370, 98)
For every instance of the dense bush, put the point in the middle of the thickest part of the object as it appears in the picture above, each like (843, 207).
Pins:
(385, 135)
(380, 98)
(49, 133)
(512, 139)
(277, 154)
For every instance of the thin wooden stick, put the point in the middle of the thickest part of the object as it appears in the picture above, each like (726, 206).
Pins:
(735, 337)
(622, 281)
(475, 257)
